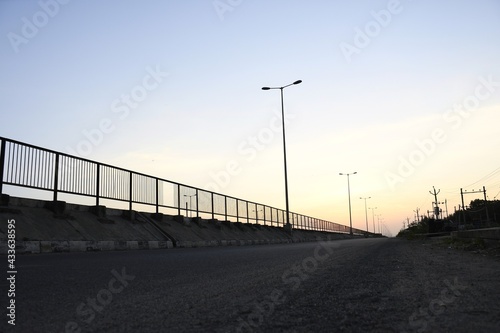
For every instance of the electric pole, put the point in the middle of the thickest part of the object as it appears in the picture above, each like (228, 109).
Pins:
(418, 216)
(436, 206)
(462, 192)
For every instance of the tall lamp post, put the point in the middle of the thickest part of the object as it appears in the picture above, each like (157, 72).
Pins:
(349, 195)
(366, 212)
(373, 219)
(284, 146)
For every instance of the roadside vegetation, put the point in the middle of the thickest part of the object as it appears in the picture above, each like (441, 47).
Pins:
(479, 214)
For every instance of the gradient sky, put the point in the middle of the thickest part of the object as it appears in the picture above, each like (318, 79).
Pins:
(406, 93)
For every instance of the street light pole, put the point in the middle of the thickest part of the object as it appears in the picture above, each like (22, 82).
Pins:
(373, 218)
(366, 213)
(284, 148)
(189, 196)
(349, 195)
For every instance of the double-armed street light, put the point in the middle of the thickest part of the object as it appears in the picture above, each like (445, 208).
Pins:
(373, 218)
(366, 212)
(284, 146)
(349, 195)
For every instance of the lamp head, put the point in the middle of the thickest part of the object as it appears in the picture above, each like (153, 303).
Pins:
(266, 88)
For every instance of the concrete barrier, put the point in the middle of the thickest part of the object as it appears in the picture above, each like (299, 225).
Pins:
(30, 247)
(489, 233)
(43, 227)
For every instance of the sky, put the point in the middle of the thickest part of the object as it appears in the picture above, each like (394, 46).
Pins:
(405, 93)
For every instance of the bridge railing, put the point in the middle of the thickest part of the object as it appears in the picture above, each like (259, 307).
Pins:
(29, 166)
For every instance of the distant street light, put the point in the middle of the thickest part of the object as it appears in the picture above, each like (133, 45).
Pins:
(373, 219)
(349, 195)
(189, 196)
(366, 212)
(284, 146)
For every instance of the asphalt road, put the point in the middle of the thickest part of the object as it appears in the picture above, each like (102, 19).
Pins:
(364, 285)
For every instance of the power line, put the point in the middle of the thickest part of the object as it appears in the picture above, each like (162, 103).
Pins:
(485, 177)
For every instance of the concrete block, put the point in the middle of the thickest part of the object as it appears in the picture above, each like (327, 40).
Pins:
(4, 248)
(78, 246)
(57, 207)
(489, 233)
(121, 245)
(4, 199)
(54, 246)
(106, 245)
(162, 244)
(178, 218)
(129, 215)
(27, 247)
(132, 245)
(100, 210)
(227, 224)
(185, 244)
(153, 245)
(165, 245)
(157, 216)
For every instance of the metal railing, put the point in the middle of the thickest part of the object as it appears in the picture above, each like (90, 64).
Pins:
(29, 166)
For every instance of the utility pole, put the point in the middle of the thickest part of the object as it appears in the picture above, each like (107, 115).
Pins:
(436, 206)
(446, 206)
(418, 216)
(462, 192)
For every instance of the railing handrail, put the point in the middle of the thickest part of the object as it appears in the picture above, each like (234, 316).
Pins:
(310, 224)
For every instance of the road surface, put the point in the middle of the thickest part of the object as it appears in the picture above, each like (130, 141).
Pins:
(363, 285)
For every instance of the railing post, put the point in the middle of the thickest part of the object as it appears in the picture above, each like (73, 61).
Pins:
(237, 211)
(248, 218)
(97, 184)
(130, 192)
(264, 211)
(225, 208)
(179, 199)
(2, 164)
(157, 197)
(212, 198)
(256, 214)
(197, 211)
(56, 176)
